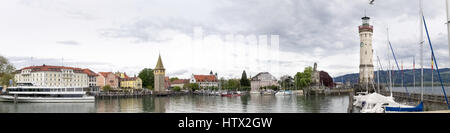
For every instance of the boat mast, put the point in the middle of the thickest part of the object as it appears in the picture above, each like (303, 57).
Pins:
(378, 75)
(448, 26)
(389, 60)
(414, 72)
(421, 47)
(402, 72)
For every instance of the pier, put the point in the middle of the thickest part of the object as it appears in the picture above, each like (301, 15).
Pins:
(121, 94)
(416, 96)
(336, 91)
(135, 94)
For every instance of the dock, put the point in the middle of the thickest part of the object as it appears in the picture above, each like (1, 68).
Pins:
(417, 96)
(135, 94)
(120, 94)
(335, 91)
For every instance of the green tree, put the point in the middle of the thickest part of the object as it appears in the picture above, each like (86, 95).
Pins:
(6, 71)
(147, 77)
(106, 88)
(193, 86)
(273, 87)
(173, 79)
(233, 84)
(244, 80)
(303, 79)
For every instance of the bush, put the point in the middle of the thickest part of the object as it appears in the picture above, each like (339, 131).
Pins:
(106, 88)
(193, 86)
(176, 88)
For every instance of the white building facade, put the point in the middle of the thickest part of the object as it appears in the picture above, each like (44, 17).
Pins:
(52, 76)
(262, 79)
(205, 81)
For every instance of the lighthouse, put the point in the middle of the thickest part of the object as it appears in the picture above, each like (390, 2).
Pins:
(366, 73)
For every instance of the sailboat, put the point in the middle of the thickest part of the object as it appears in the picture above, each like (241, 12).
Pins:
(400, 107)
(420, 106)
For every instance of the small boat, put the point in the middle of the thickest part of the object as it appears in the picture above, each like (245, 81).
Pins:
(418, 108)
(229, 94)
(283, 93)
(268, 92)
(360, 99)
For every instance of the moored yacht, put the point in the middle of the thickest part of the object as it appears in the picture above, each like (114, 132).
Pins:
(46, 95)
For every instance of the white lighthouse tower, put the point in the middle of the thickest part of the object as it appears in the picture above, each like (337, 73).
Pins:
(366, 53)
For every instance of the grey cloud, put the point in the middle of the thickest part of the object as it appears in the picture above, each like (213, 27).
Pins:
(59, 6)
(148, 29)
(20, 62)
(303, 25)
(178, 73)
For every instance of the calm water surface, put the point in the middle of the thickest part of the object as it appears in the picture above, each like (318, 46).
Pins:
(191, 104)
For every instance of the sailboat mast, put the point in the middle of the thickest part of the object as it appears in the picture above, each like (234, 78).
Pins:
(421, 41)
(389, 60)
(414, 72)
(448, 22)
(402, 72)
(432, 73)
(378, 75)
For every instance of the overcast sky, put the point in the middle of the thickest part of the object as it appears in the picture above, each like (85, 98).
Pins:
(128, 35)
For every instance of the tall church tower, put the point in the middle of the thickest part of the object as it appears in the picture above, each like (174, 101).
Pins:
(366, 52)
(159, 73)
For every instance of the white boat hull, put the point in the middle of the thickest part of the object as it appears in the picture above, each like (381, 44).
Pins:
(85, 99)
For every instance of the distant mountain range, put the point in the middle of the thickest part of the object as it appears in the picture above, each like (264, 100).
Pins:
(397, 77)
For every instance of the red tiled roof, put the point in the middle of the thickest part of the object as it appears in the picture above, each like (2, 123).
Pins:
(180, 81)
(104, 74)
(205, 78)
(58, 68)
(166, 79)
(89, 72)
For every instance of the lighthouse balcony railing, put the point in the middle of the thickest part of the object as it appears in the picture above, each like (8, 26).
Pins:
(366, 27)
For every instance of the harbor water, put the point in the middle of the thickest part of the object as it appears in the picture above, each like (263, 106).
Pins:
(191, 104)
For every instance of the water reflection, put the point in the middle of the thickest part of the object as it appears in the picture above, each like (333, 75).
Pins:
(193, 104)
(8, 107)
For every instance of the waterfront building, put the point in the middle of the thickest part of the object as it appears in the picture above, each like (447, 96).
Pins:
(366, 73)
(180, 83)
(92, 77)
(107, 78)
(205, 81)
(53, 76)
(121, 76)
(167, 82)
(131, 83)
(262, 79)
(127, 82)
(159, 74)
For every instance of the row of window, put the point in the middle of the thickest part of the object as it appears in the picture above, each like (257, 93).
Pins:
(58, 84)
(366, 35)
(51, 79)
(56, 75)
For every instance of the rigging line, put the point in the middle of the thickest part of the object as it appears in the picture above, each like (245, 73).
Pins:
(393, 54)
(435, 61)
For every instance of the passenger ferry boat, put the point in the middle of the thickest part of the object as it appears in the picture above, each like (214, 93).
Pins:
(46, 95)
